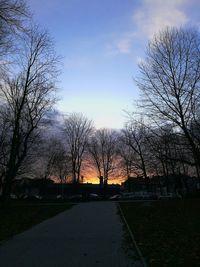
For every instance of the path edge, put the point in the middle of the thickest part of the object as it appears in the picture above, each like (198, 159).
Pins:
(132, 237)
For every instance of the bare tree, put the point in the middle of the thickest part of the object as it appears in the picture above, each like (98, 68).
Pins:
(126, 154)
(28, 95)
(77, 130)
(4, 144)
(13, 14)
(60, 161)
(102, 148)
(134, 136)
(170, 81)
(59, 164)
(51, 156)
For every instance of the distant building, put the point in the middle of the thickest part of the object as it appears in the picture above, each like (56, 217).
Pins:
(162, 184)
(48, 188)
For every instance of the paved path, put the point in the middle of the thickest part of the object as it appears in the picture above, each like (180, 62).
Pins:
(88, 235)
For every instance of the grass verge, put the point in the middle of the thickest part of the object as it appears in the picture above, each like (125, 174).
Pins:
(167, 232)
(20, 216)
(128, 241)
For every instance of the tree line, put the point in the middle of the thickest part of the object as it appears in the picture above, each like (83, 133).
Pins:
(162, 137)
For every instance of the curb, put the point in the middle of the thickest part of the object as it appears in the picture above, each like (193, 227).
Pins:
(132, 237)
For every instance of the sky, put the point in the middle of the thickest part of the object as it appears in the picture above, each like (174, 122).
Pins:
(101, 42)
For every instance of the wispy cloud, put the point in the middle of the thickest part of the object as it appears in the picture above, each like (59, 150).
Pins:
(124, 45)
(153, 15)
(150, 17)
(121, 45)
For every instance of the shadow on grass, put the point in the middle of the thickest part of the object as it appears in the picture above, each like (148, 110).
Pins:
(20, 216)
(167, 232)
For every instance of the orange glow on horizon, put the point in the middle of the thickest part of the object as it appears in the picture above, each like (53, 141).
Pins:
(91, 177)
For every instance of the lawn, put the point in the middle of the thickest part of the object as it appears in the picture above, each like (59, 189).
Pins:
(22, 215)
(167, 232)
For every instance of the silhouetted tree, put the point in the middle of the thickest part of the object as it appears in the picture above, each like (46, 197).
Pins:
(27, 97)
(134, 136)
(169, 81)
(126, 160)
(102, 149)
(13, 14)
(77, 131)
(59, 163)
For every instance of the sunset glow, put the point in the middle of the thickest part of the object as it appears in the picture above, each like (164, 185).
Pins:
(90, 178)
(99, 133)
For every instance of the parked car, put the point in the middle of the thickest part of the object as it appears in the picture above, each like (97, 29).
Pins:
(13, 196)
(139, 196)
(169, 196)
(133, 195)
(30, 197)
(127, 195)
(76, 197)
(149, 196)
(115, 197)
(37, 197)
(93, 196)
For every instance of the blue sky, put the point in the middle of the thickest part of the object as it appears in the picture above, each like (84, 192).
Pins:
(101, 42)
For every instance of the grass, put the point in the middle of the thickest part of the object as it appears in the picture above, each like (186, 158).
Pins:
(167, 232)
(22, 215)
(127, 244)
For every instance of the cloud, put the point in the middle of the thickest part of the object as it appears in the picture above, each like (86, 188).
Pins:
(153, 15)
(124, 45)
(149, 18)
(121, 45)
